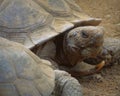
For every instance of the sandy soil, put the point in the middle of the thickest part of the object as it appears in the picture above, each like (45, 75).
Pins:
(109, 83)
(108, 10)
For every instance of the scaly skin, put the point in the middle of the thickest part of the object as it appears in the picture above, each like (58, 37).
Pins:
(96, 69)
(65, 85)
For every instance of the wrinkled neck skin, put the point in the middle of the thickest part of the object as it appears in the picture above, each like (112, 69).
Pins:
(72, 56)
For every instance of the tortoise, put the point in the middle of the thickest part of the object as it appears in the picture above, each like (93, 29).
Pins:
(22, 73)
(34, 23)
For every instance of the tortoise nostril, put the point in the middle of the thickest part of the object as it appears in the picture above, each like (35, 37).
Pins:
(84, 34)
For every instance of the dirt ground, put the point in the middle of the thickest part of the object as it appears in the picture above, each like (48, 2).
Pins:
(107, 85)
(109, 11)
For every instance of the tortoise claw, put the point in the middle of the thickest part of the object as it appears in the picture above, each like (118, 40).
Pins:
(100, 66)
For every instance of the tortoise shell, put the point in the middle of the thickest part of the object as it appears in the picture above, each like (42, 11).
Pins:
(22, 73)
(33, 22)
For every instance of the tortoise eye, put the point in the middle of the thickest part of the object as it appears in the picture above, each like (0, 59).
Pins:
(84, 34)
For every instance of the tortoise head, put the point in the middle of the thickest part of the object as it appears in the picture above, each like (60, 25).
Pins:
(86, 41)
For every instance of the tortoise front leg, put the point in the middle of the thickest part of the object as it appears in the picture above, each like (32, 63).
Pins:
(65, 85)
(86, 69)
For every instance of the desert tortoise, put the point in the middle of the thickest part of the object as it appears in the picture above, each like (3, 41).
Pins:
(22, 73)
(33, 22)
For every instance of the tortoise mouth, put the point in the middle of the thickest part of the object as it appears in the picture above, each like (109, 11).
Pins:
(90, 52)
(93, 48)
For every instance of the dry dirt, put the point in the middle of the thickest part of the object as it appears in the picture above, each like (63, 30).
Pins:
(108, 86)
(109, 11)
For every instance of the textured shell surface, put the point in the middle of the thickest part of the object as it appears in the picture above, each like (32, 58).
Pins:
(33, 22)
(22, 73)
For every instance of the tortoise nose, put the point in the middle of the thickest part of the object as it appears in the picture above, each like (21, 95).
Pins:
(97, 39)
(100, 32)
(99, 35)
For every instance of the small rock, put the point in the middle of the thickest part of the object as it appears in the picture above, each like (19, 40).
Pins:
(98, 77)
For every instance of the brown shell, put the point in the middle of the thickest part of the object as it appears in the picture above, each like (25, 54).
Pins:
(32, 22)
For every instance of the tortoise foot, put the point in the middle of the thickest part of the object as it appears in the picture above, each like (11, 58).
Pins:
(95, 69)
